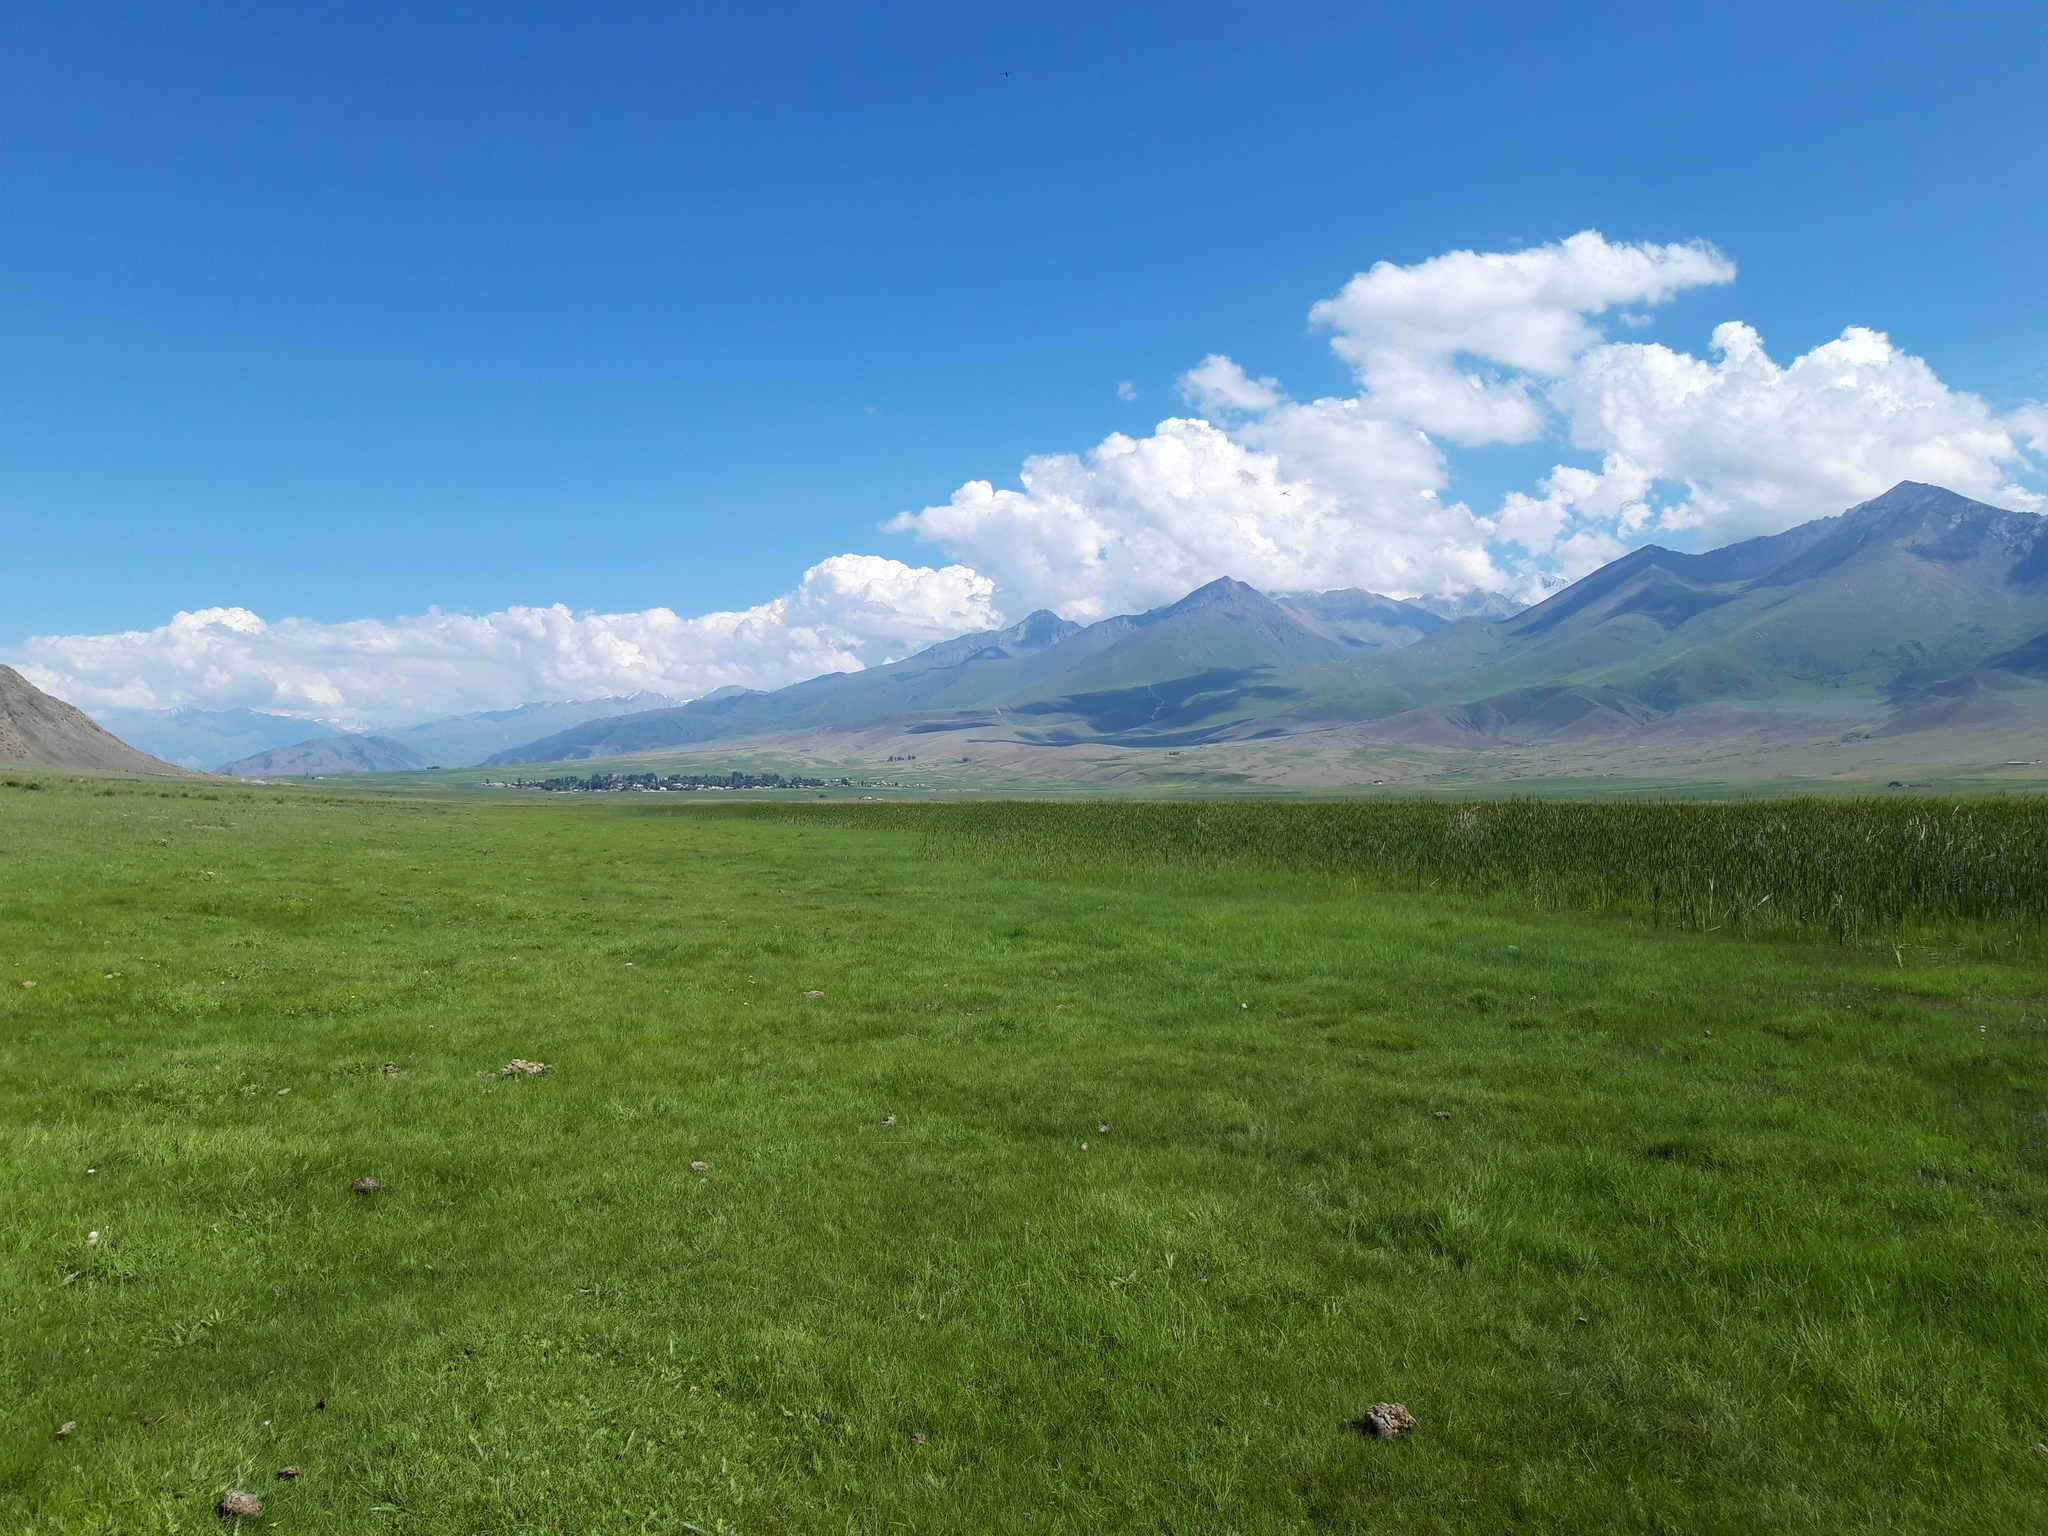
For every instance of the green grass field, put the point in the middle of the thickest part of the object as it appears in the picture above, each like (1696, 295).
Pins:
(1654, 1229)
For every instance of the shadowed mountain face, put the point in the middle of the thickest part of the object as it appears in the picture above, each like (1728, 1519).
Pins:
(36, 728)
(2029, 660)
(1361, 619)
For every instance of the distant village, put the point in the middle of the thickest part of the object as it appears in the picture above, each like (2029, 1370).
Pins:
(658, 783)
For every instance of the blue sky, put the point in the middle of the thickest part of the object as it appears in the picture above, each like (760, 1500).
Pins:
(347, 311)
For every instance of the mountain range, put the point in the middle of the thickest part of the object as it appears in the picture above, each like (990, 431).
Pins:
(1918, 611)
(1222, 636)
(1918, 596)
(1910, 629)
(261, 744)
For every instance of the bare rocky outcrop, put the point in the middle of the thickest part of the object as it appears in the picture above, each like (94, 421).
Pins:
(39, 730)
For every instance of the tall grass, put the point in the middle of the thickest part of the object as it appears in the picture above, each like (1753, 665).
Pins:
(1854, 868)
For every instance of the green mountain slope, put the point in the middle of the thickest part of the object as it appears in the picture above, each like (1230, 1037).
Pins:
(1914, 587)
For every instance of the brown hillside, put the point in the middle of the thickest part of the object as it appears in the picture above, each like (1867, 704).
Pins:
(36, 728)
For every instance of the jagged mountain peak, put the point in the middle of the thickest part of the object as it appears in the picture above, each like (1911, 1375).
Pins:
(1223, 592)
(1917, 498)
(1931, 524)
(1028, 636)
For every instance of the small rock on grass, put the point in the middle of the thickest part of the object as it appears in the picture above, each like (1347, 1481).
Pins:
(67, 1429)
(237, 1505)
(917, 1438)
(518, 1067)
(288, 1473)
(1440, 1114)
(699, 1167)
(366, 1186)
(1383, 1421)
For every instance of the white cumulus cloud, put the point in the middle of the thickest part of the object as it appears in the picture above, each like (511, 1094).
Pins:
(1428, 341)
(848, 612)
(1221, 388)
(1756, 447)
(1463, 350)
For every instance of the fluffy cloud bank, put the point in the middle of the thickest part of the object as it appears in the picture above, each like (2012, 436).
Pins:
(848, 612)
(1750, 447)
(1469, 349)
(1412, 333)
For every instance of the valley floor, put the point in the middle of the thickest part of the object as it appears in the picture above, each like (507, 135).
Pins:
(874, 1186)
(1817, 745)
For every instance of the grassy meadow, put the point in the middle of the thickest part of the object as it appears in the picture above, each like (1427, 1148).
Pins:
(1212, 1128)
